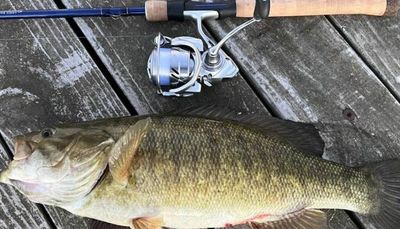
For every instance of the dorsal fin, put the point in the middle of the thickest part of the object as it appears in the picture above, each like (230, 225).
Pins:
(123, 152)
(304, 136)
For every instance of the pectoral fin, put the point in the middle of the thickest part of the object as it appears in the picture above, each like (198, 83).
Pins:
(123, 152)
(147, 223)
(310, 219)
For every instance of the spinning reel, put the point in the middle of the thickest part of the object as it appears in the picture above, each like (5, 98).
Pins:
(180, 66)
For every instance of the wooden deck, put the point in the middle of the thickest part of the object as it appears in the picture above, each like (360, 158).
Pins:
(343, 69)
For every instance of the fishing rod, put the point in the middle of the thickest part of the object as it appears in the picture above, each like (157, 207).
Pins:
(180, 66)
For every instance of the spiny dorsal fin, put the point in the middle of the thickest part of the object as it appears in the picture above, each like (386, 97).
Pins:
(123, 152)
(304, 136)
(310, 219)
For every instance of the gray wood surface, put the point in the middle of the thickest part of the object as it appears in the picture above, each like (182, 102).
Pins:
(377, 39)
(125, 44)
(15, 210)
(46, 77)
(301, 67)
(305, 71)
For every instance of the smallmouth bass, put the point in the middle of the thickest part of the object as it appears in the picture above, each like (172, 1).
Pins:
(197, 171)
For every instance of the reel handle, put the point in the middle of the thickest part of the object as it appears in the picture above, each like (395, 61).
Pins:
(163, 10)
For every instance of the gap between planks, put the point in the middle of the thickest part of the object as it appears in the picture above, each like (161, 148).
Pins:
(356, 50)
(107, 74)
(268, 106)
(97, 60)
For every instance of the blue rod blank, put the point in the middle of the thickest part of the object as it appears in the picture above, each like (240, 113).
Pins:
(67, 13)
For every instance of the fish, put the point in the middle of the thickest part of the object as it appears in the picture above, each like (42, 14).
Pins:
(202, 168)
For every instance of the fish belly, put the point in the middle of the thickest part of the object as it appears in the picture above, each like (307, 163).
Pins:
(194, 172)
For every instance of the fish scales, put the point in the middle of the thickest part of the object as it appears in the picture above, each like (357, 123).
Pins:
(198, 172)
(228, 170)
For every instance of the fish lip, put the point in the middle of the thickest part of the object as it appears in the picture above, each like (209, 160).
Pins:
(26, 136)
(23, 148)
(15, 138)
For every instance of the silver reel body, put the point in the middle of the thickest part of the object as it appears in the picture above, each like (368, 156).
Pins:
(177, 66)
(180, 66)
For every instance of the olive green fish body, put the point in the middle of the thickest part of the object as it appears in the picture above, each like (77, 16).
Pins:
(197, 172)
(194, 172)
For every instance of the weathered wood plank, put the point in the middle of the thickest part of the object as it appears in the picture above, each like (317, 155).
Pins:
(46, 77)
(15, 210)
(339, 219)
(124, 45)
(305, 70)
(377, 39)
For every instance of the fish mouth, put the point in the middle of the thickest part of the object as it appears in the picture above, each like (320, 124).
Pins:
(23, 148)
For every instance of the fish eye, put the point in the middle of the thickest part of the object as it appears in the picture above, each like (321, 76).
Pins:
(46, 133)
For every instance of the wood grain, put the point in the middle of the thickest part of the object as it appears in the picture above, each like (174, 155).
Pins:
(124, 46)
(46, 77)
(305, 71)
(376, 39)
(282, 8)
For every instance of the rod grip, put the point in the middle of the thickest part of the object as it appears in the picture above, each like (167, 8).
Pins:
(163, 10)
(286, 8)
(156, 10)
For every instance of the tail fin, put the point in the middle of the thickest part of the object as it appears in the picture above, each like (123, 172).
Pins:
(388, 174)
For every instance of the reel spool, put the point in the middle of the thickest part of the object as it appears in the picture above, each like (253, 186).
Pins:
(174, 65)
(180, 66)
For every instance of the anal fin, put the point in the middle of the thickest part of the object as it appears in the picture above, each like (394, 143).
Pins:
(310, 219)
(123, 152)
(147, 223)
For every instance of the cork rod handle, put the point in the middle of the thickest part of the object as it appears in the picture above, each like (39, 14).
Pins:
(287, 8)
(163, 10)
(156, 10)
